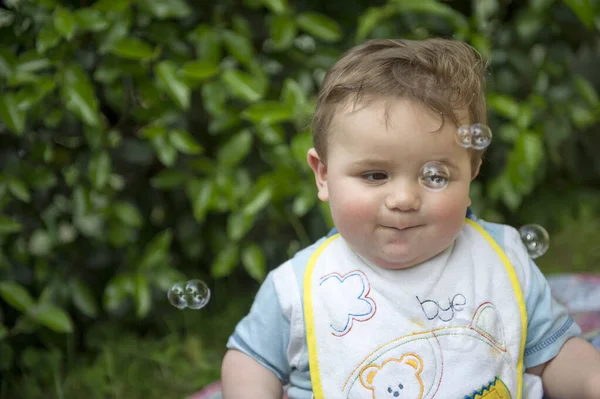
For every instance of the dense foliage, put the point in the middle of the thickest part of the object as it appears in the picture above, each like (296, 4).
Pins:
(145, 142)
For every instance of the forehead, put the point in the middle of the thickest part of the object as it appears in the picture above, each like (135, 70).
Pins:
(394, 125)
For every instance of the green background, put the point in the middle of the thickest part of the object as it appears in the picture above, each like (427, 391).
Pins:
(146, 142)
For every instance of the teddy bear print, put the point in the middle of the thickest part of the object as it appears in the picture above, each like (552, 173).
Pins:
(395, 378)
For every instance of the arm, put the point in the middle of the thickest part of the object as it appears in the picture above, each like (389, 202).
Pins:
(244, 378)
(573, 373)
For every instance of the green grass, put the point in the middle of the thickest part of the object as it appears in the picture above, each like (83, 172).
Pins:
(576, 247)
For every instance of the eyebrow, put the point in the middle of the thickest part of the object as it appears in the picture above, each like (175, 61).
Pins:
(370, 161)
(383, 162)
(446, 161)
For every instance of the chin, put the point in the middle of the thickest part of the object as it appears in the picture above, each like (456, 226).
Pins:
(397, 262)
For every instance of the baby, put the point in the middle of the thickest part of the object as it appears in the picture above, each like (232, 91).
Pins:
(407, 297)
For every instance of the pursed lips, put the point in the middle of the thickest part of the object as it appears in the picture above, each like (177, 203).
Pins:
(401, 228)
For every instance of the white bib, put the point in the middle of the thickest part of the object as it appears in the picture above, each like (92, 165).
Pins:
(452, 327)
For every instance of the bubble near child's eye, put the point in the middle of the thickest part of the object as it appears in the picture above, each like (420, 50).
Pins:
(434, 176)
(481, 136)
(177, 296)
(198, 294)
(536, 239)
(463, 136)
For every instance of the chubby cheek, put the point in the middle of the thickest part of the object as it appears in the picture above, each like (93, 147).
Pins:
(448, 210)
(352, 210)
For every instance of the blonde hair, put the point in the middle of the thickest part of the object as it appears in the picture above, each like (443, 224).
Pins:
(445, 75)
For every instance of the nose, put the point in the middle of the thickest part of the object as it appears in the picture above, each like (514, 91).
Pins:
(404, 196)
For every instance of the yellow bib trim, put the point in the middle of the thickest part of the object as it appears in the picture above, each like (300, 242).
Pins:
(313, 361)
(518, 294)
(315, 374)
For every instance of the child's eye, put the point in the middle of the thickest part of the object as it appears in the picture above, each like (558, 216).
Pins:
(435, 182)
(434, 176)
(374, 176)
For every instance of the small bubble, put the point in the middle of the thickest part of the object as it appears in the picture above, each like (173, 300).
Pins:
(481, 136)
(536, 239)
(463, 136)
(477, 136)
(198, 294)
(434, 176)
(193, 294)
(177, 296)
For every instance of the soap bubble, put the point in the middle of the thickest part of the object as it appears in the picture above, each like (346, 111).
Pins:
(477, 136)
(463, 136)
(198, 294)
(177, 296)
(193, 294)
(434, 176)
(536, 239)
(481, 136)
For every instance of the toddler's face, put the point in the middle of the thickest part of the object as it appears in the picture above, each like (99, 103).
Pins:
(398, 191)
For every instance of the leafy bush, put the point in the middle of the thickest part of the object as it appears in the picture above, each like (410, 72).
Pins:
(146, 142)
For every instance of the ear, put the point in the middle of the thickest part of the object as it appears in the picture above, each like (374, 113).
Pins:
(320, 171)
(413, 361)
(367, 374)
(475, 172)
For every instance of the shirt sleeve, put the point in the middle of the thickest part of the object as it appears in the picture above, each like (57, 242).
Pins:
(264, 332)
(549, 324)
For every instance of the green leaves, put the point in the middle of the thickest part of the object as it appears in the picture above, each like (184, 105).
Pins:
(9, 226)
(374, 17)
(584, 9)
(83, 298)
(10, 114)
(64, 23)
(504, 105)
(78, 95)
(133, 48)
(276, 6)
(200, 194)
(254, 262)
(52, 317)
(226, 261)
(235, 149)
(199, 70)
(128, 214)
(89, 19)
(319, 26)
(16, 296)
(238, 46)
(269, 112)
(19, 189)
(242, 85)
(99, 169)
(167, 9)
(172, 84)
(47, 38)
(156, 252)
(283, 31)
(184, 142)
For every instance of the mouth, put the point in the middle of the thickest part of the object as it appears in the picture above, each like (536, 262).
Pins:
(402, 228)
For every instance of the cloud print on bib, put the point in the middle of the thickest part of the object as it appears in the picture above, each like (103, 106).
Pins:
(350, 293)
